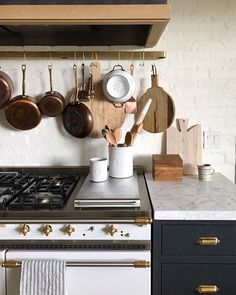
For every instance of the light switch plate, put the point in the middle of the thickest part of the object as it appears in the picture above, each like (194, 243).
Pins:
(212, 140)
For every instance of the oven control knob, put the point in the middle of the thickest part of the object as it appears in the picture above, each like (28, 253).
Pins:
(25, 229)
(111, 230)
(47, 229)
(69, 229)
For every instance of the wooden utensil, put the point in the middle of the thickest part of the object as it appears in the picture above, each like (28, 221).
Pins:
(162, 110)
(104, 112)
(131, 104)
(136, 129)
(118, 134)
(187, 143)
(129, 139)
(111, 138)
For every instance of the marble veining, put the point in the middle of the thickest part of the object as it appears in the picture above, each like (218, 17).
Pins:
(191, 199)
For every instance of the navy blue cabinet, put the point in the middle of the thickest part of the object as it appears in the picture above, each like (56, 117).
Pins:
(194, 257)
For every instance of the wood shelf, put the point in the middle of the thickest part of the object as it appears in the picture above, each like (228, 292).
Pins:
(138, 24)
(87, 55)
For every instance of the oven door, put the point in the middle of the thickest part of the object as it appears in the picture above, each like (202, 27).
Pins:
(2, 274)
(116, 276)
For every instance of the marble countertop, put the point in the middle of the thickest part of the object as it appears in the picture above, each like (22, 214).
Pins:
(191, 199)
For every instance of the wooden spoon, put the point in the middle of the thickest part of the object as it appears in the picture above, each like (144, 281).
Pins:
(111, 138)
(129, 139)
(117, 133)
(136, 129)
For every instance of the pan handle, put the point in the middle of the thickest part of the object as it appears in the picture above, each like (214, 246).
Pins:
(76, 83)
(23, 67)
(118, 66)
(50, 76)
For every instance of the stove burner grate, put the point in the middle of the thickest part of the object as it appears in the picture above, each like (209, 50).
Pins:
(24, 191)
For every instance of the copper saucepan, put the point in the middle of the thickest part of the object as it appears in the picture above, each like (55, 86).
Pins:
(22, 111)
(77, 117)
(53, 102)
(6, 88)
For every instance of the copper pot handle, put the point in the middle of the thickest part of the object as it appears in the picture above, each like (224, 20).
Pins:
(23, 67)
(76, 82)
(50, 76)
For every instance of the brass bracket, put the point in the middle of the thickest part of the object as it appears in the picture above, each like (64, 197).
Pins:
(140, 221)
(141, 264)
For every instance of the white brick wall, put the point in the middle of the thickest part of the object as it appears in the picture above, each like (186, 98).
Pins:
(199, 73)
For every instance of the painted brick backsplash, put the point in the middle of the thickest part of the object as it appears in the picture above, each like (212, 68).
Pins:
(199, 73)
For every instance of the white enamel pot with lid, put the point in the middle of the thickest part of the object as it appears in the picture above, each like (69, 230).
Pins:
(118, 85)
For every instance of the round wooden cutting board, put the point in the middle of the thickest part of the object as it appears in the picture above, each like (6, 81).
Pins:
(162, 109)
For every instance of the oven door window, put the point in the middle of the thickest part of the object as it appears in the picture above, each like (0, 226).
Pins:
(90, 280)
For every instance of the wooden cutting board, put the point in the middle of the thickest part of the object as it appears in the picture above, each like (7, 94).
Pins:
(187, 143)
(104, 112)
(162, 109)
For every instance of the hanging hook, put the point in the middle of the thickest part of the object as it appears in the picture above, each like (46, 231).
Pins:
(83, 55)
(154, 70)
(74, 57)
(96, 56)
(24, 56)
(118, 53)
(50, 57)
(141, 59)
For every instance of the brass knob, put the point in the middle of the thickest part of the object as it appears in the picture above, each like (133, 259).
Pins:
(47, 229)
(111, 230)
(69, 229)
(205, 289)
(208, 241)
(25, 229)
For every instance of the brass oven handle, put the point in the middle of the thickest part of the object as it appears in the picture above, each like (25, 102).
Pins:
(135, 264)
(206, 289)
(208, 241)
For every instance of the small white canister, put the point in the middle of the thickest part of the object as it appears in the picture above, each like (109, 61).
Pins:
(98, 169)
(120, 161)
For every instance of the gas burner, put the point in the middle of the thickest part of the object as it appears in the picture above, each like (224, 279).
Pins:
(24, 191)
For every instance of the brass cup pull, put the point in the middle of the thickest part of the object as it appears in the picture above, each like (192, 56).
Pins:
(25, 229)
(208, 241)
(111, 230)
(69, 229)
(207, 289)
(47, 229)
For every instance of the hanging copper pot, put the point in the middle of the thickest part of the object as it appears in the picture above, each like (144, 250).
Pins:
(52, 103)
(6, 88)
(22, 111)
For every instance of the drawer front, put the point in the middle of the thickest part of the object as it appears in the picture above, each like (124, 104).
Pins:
(199, 240)
(184, 279)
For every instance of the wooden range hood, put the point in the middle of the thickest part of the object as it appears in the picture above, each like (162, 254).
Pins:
(83, 25)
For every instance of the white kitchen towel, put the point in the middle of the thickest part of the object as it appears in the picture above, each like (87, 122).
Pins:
(42, 277)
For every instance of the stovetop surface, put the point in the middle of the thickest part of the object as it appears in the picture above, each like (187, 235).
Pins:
(48, 193)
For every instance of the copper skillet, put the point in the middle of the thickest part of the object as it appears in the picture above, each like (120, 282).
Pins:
(22, 111)
(77, 117)
(52, 103)
(6, 88)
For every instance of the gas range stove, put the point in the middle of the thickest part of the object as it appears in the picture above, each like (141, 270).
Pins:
(22, 191)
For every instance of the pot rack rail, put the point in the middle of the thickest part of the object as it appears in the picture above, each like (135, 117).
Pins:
(86, 55)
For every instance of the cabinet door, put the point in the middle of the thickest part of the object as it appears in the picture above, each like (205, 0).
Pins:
(183, 279)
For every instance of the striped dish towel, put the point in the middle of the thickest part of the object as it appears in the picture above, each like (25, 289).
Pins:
(42, 277)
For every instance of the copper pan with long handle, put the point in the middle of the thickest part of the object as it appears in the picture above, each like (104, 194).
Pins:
(6, 89)
(22, 111)
(52, 103)
(77, 117)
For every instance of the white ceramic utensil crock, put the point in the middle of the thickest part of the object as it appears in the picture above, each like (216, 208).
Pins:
(118, 85)
(120, 161)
